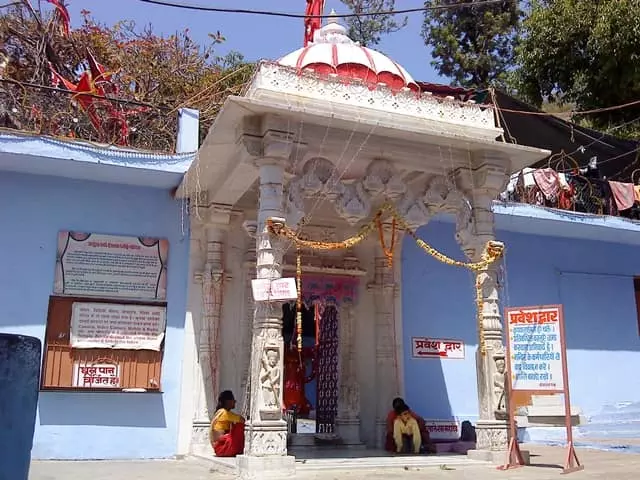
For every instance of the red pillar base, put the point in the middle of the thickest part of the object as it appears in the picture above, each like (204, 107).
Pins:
(572, 464)
(514, 456)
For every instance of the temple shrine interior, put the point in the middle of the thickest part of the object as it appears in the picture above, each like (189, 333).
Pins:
(310, 372)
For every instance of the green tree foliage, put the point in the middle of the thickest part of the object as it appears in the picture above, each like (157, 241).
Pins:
(582, 52)
(368, 30)
(473, 46)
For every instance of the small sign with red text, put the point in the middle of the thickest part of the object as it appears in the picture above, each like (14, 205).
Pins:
(96, 375)
(442, 429)
(265, 289)
(423, 347)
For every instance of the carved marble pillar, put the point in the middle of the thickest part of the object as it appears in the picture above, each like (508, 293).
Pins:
(211, 278)
(348, 418)
(384, 291)
(474, 228)
(265, 454)
(250, 274)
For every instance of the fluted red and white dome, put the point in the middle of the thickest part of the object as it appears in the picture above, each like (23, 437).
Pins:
(333, 52)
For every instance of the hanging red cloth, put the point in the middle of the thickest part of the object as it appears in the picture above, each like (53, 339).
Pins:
(295, 379)
(108, 118)
(312, 21)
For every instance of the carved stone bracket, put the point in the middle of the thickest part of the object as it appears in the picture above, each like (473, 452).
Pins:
(355, 200)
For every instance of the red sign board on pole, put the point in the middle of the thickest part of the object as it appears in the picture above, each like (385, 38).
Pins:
(537, 363)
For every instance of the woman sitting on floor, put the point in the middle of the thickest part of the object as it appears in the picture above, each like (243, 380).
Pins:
(227, 428)
(427, 446)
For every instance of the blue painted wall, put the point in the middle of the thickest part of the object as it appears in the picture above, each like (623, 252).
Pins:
(594, 282)
(77, 425)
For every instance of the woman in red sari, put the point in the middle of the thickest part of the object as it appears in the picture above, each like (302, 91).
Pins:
(227, 428)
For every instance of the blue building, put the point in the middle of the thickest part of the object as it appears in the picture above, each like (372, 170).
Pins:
(587, 263)
(49, 187)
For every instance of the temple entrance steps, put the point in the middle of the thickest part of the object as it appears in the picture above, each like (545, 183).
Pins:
(301, 443)
(343, 459)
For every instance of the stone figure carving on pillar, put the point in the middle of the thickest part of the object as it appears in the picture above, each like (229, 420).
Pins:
(270, 378)
(499, 387)
(474, 228)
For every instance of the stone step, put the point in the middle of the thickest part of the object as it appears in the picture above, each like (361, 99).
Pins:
(385, 462)
(352, 460)
(305, 441)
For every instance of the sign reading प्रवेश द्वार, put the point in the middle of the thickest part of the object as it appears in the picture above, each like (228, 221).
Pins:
(535, 348)
(121, 327)
(90, 264)
(423, 347)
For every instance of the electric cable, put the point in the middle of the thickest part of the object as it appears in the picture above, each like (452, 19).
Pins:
(201, 8)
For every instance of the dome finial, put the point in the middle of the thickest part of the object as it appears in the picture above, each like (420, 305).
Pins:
(333, 32)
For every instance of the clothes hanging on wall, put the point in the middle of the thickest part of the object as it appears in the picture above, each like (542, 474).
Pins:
(549, 183)
(623, 195)
(581, 190)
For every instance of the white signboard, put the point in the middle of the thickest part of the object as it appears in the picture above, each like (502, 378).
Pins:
(535, 348)
(123, 327)
(88, 264)
(96, 375)
(280, 289)
(443, 429)
(423, 347)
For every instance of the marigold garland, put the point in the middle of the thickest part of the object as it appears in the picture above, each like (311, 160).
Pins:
(286, 232)
(388, 252)
(492, 252)
(479, 312)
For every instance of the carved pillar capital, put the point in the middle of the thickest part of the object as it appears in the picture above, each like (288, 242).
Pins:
(488, 173)
(269, 147)
(216, 217)
(481, 183)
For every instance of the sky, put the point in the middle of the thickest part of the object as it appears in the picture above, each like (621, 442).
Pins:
(258, 37)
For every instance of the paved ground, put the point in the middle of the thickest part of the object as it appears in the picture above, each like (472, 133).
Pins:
(545, 461)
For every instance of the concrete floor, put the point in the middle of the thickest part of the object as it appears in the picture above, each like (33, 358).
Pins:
(546, 462)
